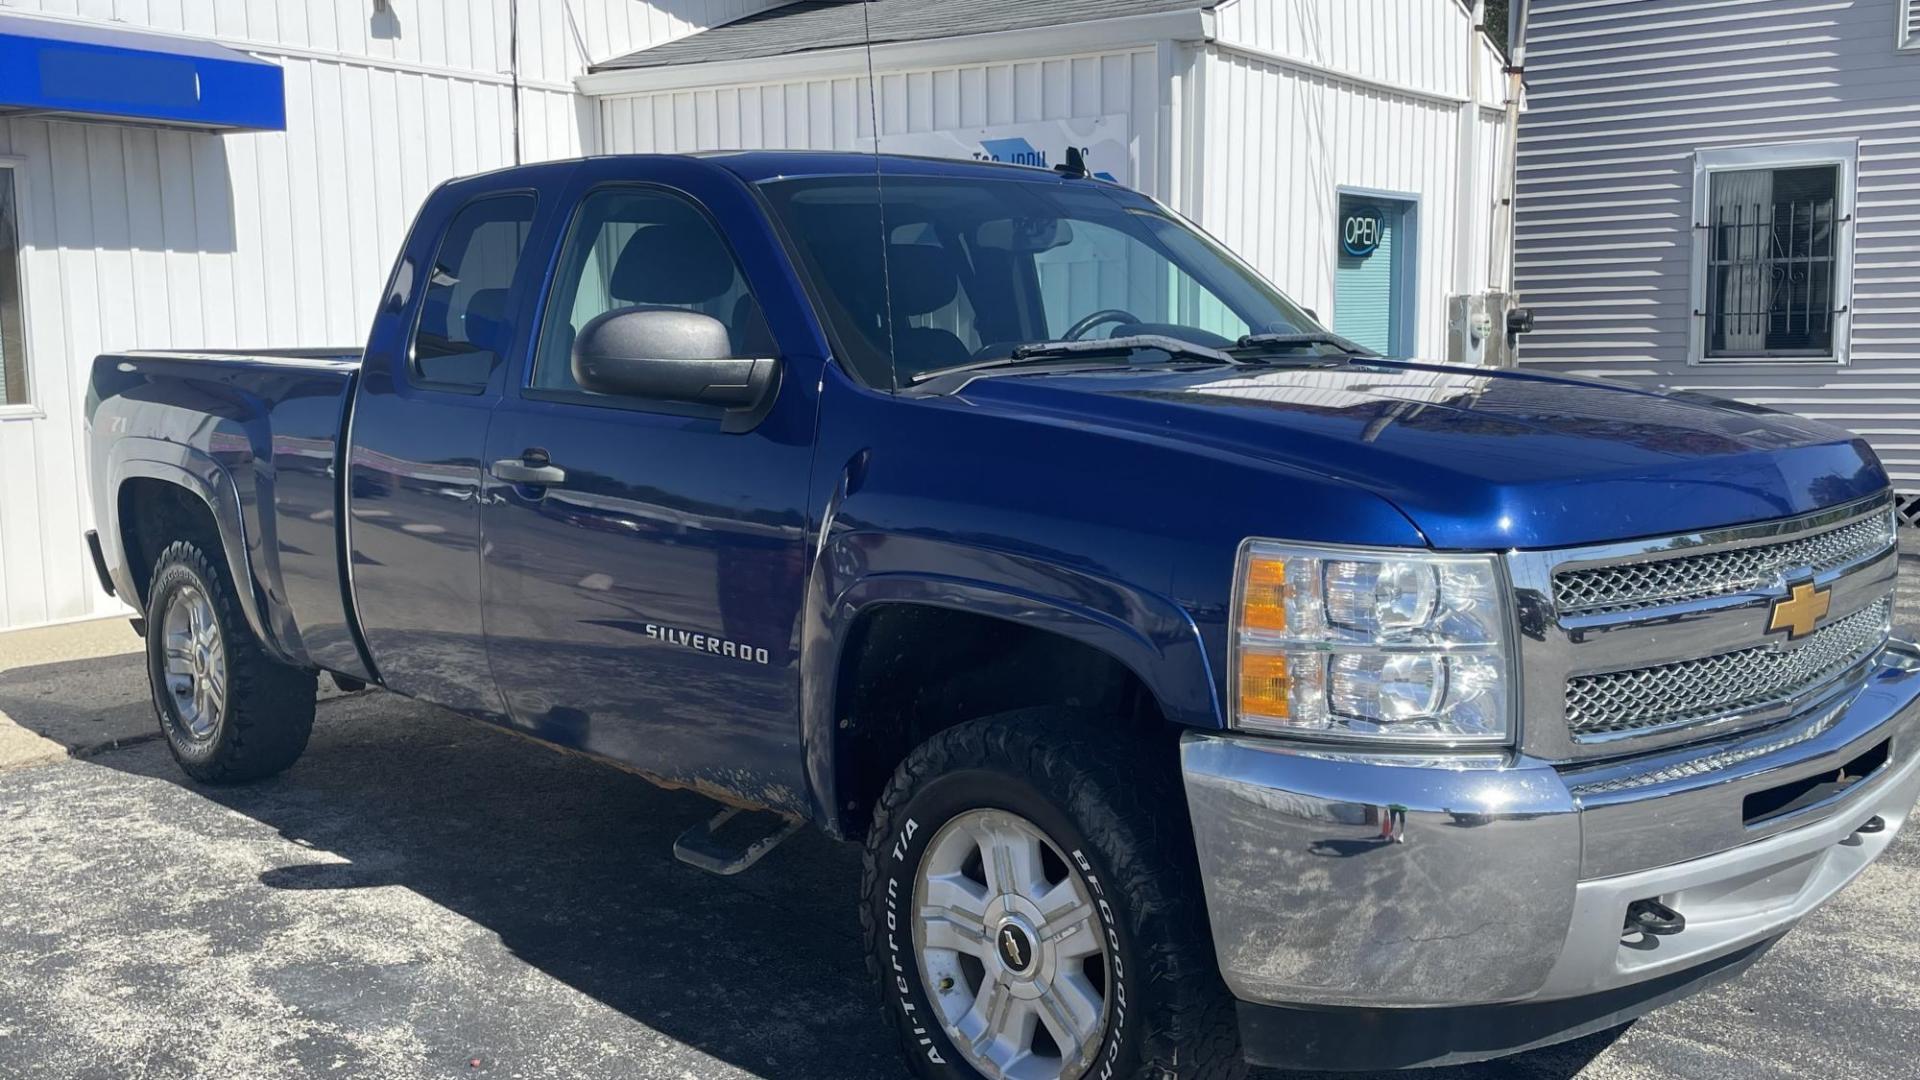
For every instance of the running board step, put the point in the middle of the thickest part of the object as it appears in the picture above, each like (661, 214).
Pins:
(702, 847)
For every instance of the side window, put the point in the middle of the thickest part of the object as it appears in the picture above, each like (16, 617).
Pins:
(637, 247)
(464, 326)
(13, 344)
(1101, 268)
(942, 300)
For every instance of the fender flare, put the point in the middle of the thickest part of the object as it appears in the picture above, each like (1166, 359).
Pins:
(1147, 633)
(198, 473)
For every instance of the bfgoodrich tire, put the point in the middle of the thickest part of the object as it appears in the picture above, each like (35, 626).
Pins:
(1032, 908)
(229, 711)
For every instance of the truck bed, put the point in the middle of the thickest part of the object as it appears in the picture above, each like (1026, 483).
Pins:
(257, 434)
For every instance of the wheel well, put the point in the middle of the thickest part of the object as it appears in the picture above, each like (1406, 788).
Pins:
(155, 513)
(910, 671)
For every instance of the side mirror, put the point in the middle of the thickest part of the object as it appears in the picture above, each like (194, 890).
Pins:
(665, 354)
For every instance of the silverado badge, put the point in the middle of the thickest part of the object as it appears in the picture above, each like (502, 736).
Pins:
(1800, 613)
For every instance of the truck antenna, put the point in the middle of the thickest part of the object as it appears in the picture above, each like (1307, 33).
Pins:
(879, 197)
(1076, 166)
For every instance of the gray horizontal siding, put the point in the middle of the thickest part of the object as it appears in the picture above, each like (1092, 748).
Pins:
(1620, 95)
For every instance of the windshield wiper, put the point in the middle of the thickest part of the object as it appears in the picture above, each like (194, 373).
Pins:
(1312, 337)
(1041, 352)
(1172, 346)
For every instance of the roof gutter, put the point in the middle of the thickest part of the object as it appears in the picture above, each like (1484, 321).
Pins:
(1503, 274)
(1065, 39)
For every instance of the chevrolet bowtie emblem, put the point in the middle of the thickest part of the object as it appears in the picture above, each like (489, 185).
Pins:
(1800, 613)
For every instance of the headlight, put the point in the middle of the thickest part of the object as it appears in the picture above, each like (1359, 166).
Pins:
(1371, 645)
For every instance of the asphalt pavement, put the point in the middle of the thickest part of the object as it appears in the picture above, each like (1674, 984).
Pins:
(424, 897)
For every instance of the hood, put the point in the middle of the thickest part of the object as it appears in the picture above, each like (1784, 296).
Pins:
(1480, 459)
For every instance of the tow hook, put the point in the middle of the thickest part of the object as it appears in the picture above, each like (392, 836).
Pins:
(1654, 918)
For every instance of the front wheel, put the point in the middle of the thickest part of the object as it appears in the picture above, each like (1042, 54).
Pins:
(1033, 910)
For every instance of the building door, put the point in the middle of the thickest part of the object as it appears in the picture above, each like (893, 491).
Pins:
(1373, 299)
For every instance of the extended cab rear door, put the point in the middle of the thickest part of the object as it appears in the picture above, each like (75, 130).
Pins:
(435, 365)
(645, 567)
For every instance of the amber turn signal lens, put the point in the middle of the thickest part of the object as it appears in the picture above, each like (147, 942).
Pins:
(1263, 596)
(1264, 685)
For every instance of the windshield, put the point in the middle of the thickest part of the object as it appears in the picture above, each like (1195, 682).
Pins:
(975, 268)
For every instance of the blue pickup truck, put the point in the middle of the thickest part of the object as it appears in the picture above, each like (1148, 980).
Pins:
(1204, 689)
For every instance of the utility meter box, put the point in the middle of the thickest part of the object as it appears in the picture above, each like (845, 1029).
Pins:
(1479, 331)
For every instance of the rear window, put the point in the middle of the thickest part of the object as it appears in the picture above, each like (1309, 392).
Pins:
(466, 323)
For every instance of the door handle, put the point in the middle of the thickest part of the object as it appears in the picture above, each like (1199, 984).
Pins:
(531, 468)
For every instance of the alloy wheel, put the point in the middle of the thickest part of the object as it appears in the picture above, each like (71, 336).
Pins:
(196, 662)
(1011, 948)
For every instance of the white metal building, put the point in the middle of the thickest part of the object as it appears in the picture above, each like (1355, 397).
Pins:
(1722, 197)
(1348, 148)
(1270, 122)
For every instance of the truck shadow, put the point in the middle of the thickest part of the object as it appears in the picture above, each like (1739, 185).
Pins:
(569, 863)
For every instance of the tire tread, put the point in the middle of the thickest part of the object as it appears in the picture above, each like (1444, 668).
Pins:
(270, 704)
(1135, 815)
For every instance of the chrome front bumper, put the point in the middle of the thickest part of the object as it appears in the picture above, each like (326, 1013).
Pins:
(1388, 880)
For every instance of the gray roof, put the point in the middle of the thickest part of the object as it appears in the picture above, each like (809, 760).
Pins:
(811, 25)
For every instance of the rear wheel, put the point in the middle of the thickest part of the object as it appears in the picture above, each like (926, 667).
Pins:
(229, 711)
(1033, 909)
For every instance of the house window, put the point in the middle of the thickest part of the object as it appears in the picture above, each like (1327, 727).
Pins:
(1770, 268)
(1773, 253)
(13, 338)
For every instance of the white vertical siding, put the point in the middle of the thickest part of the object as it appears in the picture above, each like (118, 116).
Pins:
(1417, 44)
(831, 113)
(1282, 141)
(1620, 96)
(471, 36)
(1273, 139)
(142, 238)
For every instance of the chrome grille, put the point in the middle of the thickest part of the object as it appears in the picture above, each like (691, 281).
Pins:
(1711, 763)
(1692, 690)
(1637, 585)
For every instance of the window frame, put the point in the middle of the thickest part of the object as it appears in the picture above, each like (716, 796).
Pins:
(1842, 154)
(1412, 205)
(423, 275)
(524, 387)
(30, 408)
(1906, 34)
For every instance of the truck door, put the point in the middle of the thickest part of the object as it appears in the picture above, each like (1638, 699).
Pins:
(430, 378)
(644, 568)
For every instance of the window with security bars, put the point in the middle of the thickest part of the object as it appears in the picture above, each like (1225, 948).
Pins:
(1773, 265)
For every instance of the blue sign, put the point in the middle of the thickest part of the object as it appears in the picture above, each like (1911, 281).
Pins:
(1103, 142)
(135, 76)
(1015, 151)
(1360, 231)
(1018, 151)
